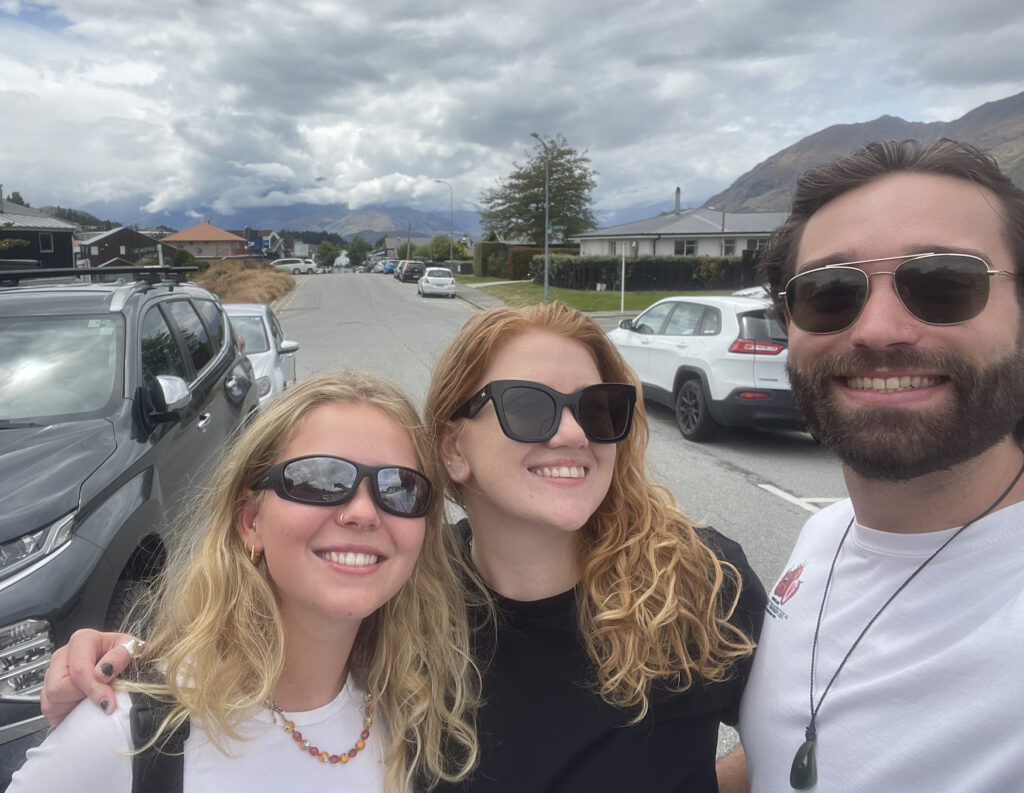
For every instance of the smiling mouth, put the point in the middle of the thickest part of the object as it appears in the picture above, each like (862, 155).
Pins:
(351, 559)
(560, 472)
(888, 385)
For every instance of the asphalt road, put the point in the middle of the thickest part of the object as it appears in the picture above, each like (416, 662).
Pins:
(757, 487)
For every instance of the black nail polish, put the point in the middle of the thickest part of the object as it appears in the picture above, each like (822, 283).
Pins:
(105, 705)
(106, 669)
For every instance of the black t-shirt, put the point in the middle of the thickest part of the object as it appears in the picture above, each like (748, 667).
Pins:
(544, 728)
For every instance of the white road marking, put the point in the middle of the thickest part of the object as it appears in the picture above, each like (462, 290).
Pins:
(804, 503)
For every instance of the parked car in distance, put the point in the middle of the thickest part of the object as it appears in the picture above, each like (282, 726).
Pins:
(271, 354)
(717, 361)
(115, 398)
(295, 266)
(397, 272)
(412, 271)
(436, 281)
(389, 266)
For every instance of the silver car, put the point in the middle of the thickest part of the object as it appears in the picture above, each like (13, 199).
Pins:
(436, 281)
(271, 354)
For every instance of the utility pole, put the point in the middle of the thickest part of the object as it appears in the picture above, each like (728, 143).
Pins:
(547, 161)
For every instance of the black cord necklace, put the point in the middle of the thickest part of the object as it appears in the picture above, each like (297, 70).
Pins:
(804, 772)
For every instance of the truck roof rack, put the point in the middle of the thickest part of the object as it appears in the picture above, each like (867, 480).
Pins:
(150, 275)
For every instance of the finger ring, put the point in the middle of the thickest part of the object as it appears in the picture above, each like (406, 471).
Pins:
(132, 645)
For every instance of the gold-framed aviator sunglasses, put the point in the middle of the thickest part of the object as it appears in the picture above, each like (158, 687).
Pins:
(936, 288)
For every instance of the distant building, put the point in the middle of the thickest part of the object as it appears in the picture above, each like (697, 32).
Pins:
(683, 232)
(205, 241)
(123, 247)
(264, 243)
(49, 239)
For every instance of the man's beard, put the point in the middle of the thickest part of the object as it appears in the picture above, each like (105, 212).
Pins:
(895, 444)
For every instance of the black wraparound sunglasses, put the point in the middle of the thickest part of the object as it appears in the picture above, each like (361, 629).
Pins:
(329, 481)
(936, 288)
(530, 412)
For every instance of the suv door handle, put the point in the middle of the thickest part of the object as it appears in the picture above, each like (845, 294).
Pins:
(204, 422)
(231, 383)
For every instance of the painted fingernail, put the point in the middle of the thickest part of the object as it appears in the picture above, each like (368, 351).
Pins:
(106, 669)
(105, 705)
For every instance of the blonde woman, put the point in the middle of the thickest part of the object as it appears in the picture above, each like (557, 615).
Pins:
(297, 605)
(619, 635)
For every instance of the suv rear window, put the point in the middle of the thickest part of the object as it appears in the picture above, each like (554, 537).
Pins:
(758, 326)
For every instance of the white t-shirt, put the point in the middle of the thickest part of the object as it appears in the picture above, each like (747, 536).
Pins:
(89, 752)
(932, 699)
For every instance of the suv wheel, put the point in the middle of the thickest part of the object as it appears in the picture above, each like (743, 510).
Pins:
(296, 271)
(692, 414)
(126, 593)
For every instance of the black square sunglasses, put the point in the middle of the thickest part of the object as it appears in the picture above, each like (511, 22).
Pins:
(936, 288)
(330, 481)
(530, 412)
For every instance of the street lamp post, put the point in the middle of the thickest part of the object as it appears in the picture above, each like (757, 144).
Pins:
(451, 221)
(547, 160)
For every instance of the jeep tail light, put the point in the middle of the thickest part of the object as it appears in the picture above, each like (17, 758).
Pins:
(25, 650)
(752, 347)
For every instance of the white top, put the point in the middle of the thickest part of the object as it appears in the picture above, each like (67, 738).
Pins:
(933, 696)
(88, 752)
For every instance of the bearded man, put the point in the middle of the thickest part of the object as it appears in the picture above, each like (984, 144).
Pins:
(892, 657)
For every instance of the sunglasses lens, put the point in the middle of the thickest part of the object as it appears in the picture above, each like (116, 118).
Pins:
(943, 289)
(403, 491)
(826, 300)
(319, 480)
(530, 414)
(605, 412)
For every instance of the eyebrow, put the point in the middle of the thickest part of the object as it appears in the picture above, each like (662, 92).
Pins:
(913, 250)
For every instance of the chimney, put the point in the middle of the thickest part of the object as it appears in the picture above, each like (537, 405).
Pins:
(677, 201)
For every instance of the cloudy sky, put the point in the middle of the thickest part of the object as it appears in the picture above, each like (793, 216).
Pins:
(221, 105)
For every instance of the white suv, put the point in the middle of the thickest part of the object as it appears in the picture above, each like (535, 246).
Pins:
(295, 266)
(714, 360)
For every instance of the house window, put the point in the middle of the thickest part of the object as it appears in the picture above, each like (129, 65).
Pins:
(45, 242)
(611, 247)
(756, 245)
(94, 250)
(686, 247)
(728, 247)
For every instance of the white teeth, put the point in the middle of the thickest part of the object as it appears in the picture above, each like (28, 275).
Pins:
(564, 472)
(350, 559)
(888, 384)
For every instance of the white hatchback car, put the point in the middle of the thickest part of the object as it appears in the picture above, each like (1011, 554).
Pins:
(436, 281)
(714, 360)
(271, 354)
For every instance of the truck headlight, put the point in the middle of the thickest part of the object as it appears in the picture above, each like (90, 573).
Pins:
(22, 551)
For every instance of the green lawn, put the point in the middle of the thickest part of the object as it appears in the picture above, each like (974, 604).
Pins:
(526, 293)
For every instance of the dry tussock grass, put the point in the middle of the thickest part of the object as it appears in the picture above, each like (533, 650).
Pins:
(245, 281)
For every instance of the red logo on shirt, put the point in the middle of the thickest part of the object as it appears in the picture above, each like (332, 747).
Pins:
(789, 584)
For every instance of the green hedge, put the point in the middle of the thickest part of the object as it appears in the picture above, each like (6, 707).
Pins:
(483, 253)
(645, 273)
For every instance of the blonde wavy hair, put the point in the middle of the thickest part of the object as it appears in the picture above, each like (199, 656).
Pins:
(217, 637)
(654, 600)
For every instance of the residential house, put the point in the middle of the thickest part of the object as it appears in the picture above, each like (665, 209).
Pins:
(49, 239)
(123, 247)
(206, 241)
(683, 232)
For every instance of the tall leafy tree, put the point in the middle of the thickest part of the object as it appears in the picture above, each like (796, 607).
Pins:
(358, 248)
(514, 210)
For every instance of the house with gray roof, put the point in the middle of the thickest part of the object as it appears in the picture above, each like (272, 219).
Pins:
(48, 240)
(683, 232)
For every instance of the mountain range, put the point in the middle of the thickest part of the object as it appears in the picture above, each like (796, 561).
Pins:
(997, 127)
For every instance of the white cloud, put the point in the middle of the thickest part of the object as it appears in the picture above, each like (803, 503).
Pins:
(203, 103)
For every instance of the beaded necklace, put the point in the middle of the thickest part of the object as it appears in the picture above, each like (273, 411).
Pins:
(326, 757)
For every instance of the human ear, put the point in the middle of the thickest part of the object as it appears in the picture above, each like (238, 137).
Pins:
(454, 462)
(247, 525)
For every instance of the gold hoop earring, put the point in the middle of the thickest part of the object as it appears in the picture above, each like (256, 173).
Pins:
(254, 555)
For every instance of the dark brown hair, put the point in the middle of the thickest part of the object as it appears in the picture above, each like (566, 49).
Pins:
(946, 157)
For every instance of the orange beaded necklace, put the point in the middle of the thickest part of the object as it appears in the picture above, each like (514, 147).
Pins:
(326, 757)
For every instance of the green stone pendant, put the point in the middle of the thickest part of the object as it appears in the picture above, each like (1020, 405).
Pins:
(804, 773)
